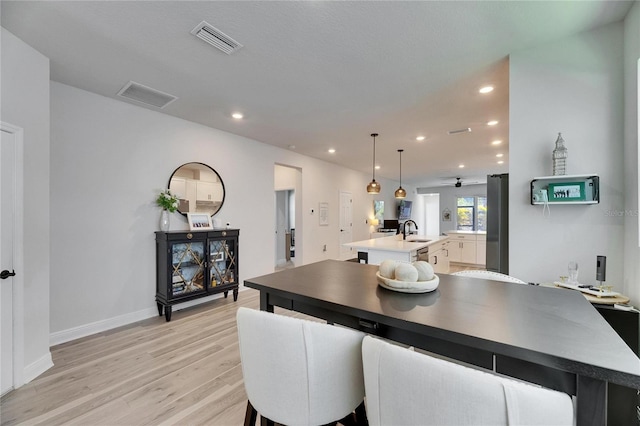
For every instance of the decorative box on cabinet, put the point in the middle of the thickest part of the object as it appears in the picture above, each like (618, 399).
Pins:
(566, 189)
(194, 264)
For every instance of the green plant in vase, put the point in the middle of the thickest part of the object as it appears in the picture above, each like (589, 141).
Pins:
(167, 201)
(169, 204)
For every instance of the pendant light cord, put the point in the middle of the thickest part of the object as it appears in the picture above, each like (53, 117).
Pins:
(374, 157)
(400, 151)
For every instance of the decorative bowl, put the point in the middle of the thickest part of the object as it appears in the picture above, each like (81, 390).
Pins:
(408, 287)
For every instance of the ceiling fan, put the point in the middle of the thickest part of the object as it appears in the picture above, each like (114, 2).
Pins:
(458, 183)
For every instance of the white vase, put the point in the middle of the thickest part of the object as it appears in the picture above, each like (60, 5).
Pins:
(165, 220)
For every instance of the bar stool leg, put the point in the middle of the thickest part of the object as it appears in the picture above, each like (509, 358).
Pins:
(251, 415)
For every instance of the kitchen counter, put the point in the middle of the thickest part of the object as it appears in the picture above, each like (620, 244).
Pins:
(396, 243)
(467, 232)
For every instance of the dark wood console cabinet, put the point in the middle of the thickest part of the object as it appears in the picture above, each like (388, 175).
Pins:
(194, 264)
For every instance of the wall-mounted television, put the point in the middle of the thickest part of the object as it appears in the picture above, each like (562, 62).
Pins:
(404, 210)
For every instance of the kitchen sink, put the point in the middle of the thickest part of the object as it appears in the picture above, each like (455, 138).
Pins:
(418, 241)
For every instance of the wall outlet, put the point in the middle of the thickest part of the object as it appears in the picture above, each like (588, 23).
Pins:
(324, 248)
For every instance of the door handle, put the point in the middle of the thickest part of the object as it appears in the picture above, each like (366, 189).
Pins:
(6, 274)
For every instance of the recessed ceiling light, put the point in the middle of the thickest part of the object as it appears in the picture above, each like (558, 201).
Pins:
(332, 151)
(377, 167)
(420, 138)
(461, 166)
(499, 155)
(486, 89)
(237, 115)
(492, 123)
(496, 142)
(292, 147)
(500, 162)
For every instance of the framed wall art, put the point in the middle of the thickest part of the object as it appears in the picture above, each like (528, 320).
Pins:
(199, 221)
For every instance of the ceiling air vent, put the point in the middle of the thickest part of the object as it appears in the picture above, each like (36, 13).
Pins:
(207, 32)
(146, 95)
(455, 132)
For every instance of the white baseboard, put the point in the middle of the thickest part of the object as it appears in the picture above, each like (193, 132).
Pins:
(99, 326)
(35, 369)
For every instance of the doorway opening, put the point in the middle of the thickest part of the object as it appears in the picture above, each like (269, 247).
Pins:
(285, 248)
(288, 234)
(431, 214)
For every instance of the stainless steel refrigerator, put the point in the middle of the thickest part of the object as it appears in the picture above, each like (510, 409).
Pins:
(498, 223)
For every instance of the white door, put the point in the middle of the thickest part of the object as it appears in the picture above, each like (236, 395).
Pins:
(346, 224)
(7, 197)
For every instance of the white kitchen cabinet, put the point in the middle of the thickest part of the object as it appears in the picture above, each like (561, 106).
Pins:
(455, 249)
(468, 252)
(178, 187)
(463, 248)
(205, 191)
(439, 257)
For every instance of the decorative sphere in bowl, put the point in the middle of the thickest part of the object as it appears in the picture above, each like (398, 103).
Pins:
(425, 270)
(406, 272)
(388, 268)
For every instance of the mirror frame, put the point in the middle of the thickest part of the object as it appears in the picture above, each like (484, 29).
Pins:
(224, 189)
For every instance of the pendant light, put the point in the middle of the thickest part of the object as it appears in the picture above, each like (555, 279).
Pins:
(400, 192)
(374, 187)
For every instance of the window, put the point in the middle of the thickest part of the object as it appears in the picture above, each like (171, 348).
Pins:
(471, 213)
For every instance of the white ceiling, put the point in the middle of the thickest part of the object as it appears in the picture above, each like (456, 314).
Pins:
(316, 74)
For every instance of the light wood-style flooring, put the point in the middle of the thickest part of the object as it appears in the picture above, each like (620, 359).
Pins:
(153, 372)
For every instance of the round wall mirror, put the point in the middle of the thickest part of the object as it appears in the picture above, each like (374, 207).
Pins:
(199, 189)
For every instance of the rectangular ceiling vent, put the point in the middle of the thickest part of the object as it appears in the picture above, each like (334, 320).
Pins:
(207, 32)
(455, 132)
(146, 95)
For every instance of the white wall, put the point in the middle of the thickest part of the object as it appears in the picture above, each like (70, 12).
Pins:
(448, 200)
(631, 175)
(574, 86)
(25, 104)
(108, 161)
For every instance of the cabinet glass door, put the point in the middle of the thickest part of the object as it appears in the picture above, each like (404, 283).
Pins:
(222, 262)
(188, 265)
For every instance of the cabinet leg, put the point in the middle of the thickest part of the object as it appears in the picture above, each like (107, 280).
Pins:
(167, 313)
(235, 294)
(159, 308)
(226, 293)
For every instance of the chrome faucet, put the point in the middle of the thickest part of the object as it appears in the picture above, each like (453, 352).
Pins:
(404, 228)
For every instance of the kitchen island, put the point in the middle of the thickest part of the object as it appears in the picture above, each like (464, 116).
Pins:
(430, 248)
